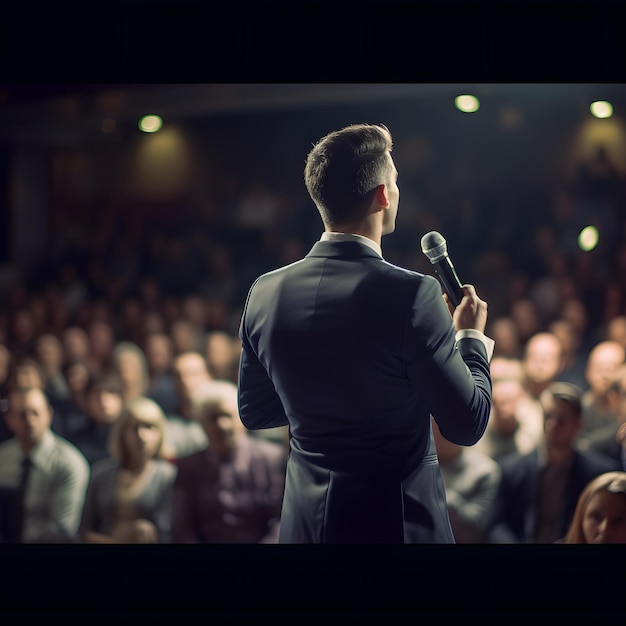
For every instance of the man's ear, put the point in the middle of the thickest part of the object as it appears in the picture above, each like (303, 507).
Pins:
(382, 197)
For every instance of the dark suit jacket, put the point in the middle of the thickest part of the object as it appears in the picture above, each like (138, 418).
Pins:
(355, 353)
(514, 516)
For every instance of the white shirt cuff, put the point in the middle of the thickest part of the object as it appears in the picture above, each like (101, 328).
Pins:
(476, 334)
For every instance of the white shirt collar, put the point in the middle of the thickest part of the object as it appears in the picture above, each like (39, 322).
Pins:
(326, 236)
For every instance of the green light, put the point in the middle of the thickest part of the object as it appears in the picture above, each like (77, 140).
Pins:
(467, 103)
(150, 123)
(601, 109)
(588, 238)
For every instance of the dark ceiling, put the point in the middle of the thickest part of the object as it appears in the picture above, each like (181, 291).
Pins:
(69, 114)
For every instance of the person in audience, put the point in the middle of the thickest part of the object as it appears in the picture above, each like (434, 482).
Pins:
(194, 310)
(610, 440)
(185, 435)
(221, 355)
(538, 491)
(600, 515)
(525, 314)
(471, 481)
(72, 411)
(160, 359)
(75, 343)
(616, 330)
(541, 364)
(230, 492)
(50, 356)
(22, 331)
(185, 336)
(129, 363)
(503, 330)
(599, 406)
(129, 494)
(26, 372)
(509, 429)
(101, 344)
(104, 403)
(5, 374)
(574, 359)
(47, 474)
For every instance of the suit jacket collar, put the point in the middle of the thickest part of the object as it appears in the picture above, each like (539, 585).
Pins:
(341, 249)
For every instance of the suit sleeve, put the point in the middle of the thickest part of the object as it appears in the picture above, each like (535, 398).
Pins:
(259, 404)
(453, 376)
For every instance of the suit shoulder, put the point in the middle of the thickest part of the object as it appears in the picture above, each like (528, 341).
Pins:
(278, 272)
(425, 282)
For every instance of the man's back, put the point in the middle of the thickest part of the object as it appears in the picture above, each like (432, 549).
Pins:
(348, 341)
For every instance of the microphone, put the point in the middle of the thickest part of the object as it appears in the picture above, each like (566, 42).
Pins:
(436, 250)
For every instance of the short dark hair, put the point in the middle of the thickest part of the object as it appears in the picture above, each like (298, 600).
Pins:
(107, 381)
(344, 168)
(566, 392)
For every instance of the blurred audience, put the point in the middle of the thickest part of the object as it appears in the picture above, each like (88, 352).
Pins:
(103, 404)
(130, 364)
(50, 356)
(101, 344)
(185, 435)
(512, 425)
(222, 351)
(175, 285)
(610, 440)
(129, 494)
(230, 492)
(471, 482)
(600, 515)
(599, 404)
(46, 474)
(574, 360)
(71, 411)
(504, 331)
(159, 353)
(538, 491)
(5, 370)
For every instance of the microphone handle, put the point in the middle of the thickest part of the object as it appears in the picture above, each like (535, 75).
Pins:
(451, 283)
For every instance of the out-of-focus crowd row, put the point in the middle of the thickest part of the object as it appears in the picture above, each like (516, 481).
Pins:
(119, 356)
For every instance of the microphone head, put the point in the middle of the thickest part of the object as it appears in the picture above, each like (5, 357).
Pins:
(434, 246)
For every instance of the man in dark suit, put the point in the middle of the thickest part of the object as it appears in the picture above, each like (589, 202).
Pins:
(538, 491)
(355, 354)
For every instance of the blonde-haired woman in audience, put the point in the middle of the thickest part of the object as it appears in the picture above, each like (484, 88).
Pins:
(600, 515)
(129, 495)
